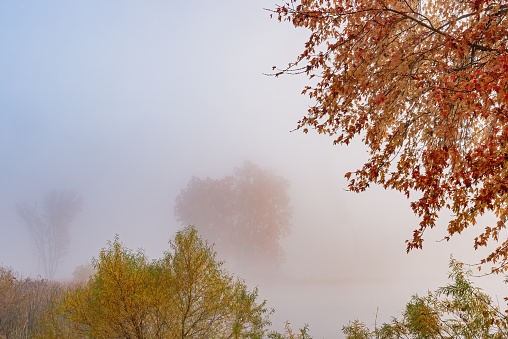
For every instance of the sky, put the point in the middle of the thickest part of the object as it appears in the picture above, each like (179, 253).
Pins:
(124, 101)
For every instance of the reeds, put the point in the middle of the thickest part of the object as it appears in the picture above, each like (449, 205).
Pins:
(23, 302)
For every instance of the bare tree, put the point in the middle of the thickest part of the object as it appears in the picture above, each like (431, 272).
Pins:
(49, 226)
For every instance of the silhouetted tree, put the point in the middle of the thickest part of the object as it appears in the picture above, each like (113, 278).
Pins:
(245, 214)
(49, 227)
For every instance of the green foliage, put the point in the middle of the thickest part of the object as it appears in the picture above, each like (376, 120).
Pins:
(458, 310)
(303, 333)
(186, 294)
(356, 330)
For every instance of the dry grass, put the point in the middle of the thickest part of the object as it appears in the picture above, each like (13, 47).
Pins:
(23, 302)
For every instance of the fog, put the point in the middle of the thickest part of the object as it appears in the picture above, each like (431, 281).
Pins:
(125, 101)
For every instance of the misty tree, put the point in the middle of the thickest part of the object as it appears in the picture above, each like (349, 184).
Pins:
(83, 272)
(244, 214)
(49, 226)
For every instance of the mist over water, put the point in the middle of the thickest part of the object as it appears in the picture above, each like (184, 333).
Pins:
(123, 102)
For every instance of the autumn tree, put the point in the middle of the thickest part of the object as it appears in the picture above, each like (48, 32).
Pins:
(244, 214)
(425, 86)
(83, 272)
(49, 226)
(186, 294)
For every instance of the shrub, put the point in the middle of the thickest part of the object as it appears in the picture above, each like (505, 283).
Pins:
(186, 294)
(23, 302)
(458, 310)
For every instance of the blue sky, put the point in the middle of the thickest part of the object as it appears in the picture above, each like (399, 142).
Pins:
(124, 101)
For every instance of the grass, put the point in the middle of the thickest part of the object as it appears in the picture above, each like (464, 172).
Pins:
(24, 301)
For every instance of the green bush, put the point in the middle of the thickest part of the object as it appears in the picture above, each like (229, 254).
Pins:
(458, 310)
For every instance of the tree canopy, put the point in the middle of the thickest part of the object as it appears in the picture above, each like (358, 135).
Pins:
(425, 85)
(186, 294)
(244, 214)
